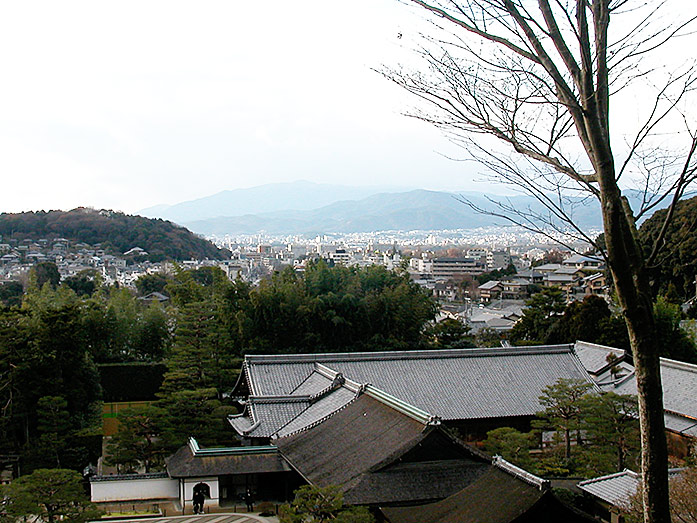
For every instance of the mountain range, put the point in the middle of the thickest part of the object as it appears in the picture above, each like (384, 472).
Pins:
(309, 208)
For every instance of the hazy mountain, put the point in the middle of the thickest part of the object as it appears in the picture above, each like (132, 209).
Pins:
(299, 195)
(412, 210)
(311, 208)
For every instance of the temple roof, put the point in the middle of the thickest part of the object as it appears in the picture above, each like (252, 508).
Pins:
(679, 381)
(498, 496)
(453, 384)
(379, 450)
(615, 489)
(318, 396)
(192, 461)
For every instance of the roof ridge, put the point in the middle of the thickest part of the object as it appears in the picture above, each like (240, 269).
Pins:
(625, 378)
(401, 406)
(261, 359)
(582, 369)
(624, 472)
(528, 477)
(283, 398)
(679, 364)
(597, 345)
(314, 423)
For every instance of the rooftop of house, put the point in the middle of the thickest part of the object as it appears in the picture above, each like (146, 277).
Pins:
(491, 284)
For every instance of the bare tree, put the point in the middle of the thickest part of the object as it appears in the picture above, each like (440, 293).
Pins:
(526, 88)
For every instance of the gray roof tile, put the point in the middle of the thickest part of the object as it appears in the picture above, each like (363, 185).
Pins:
(318, 411)
(615, 489)
(594, 357)
(452, 384)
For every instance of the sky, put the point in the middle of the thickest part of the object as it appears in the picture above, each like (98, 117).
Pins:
(125, 105)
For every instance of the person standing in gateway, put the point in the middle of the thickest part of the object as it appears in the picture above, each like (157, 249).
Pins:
(249, 499)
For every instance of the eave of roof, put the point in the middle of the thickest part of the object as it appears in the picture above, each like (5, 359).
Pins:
(192, 461)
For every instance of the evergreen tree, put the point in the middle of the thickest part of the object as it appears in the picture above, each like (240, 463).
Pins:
(138, 441)
(201, 368)
(563, 409)
(542, 311)
(511, 444)
(610, 427)
(52, 495)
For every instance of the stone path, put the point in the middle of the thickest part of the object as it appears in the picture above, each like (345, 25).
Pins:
(202, 518)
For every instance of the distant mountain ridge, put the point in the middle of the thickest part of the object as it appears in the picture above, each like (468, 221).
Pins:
(412, 210)
(298, 208)
(297, 196)
(115, 231)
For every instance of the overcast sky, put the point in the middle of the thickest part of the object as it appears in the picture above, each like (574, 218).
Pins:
(129, 104)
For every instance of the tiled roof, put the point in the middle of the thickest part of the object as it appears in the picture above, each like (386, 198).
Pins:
(318, 396)
(615, 489)
(190, 461)
(453, 384)
(269, 413)
(560, 277)
(379, 449)
(594, 357)
(490, 285)
(679, 382)
(318, 411)
(497, 496)
(314, 383)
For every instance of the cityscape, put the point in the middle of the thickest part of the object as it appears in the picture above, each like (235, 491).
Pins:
(379, 261)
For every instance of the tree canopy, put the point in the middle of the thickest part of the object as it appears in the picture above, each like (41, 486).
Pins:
(51, 494)
(116, 232)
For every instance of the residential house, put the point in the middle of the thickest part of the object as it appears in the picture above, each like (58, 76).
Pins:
(490, 290)
(532, 276)
(548, 267)
(515, 289)
(595, 283)
(581, 261)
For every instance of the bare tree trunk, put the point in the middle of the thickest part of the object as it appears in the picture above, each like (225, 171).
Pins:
(632, 288)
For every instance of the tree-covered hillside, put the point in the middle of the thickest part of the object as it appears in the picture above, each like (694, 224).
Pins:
(115, 231)
(676, 267)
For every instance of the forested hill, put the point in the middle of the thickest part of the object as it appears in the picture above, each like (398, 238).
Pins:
(115, 231)
(676, 266)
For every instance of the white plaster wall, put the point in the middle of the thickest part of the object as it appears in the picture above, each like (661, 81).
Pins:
(212, 482)
(135, 489)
